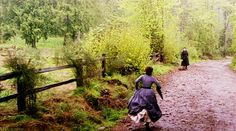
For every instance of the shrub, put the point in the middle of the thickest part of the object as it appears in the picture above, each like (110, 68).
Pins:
(84, 64)
(23, 63)
(126, 49)
(233, 64)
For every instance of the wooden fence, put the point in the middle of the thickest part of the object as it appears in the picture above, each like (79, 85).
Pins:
(36, 90)
(21, 95)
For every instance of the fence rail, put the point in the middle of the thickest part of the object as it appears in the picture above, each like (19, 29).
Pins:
(7, 76)
(12, 74)
(21, 95)
(37, 90)
(52, 69)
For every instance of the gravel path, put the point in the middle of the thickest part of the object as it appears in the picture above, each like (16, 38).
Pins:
(203, 98)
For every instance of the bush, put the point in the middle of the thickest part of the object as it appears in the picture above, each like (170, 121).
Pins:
(233, 64)
(126, 49)
(8, 33)
(84, 64)
(24, 63)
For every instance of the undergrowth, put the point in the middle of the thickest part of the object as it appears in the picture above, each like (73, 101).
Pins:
(100, 103)
(233, 64)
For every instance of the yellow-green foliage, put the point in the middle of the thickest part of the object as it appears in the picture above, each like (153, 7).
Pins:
(233, 48)
(24, 63)
(128, 45)
(233, 64)
(160, 69)
(193, 53)
(172, 46)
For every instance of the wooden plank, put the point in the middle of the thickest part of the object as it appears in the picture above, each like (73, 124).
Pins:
(12, 75)
(38, 89)
(52, 69)
(8, 97)
(53, 85)
(7, 76)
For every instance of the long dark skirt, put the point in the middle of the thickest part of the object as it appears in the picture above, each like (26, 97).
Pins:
(185, 62)
(145, 99)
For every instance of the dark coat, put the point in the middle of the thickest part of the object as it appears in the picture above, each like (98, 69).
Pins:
(184, 57)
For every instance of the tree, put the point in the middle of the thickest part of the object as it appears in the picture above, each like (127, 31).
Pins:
(76, 18)
(33, 18)
(199, 25)
(152, 23)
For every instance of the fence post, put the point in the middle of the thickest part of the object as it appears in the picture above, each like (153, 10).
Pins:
(21, 99)
(79, 73)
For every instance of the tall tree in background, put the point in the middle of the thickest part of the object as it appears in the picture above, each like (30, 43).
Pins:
(36, 19)
(150, 18)
(198, 23)
(33, 18)
(76, 18)
(227, 9)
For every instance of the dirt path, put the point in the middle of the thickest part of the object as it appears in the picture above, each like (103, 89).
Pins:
(203, 98)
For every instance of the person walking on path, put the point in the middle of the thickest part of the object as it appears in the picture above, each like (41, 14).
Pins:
(185, 60)
(143, 104)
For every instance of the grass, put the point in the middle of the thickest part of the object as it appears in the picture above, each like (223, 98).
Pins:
(4, 93)
(111, 116)
(8, 105)
(21, 118)
(50, 43)
(160, 69)
(84, 124)
(3, 70)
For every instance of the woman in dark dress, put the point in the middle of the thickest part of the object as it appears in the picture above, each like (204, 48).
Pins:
(184, 57)
(144, 102)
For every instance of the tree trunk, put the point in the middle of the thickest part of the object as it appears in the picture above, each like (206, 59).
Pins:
(64, 43)
(225, 32)
(34, 43)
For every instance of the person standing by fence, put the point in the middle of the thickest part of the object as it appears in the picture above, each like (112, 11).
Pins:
(103, 65)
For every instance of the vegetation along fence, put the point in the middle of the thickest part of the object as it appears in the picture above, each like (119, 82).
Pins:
(23, 92)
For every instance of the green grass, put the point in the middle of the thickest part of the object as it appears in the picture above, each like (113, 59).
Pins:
(8, 104)
(16, 41)
(51, 42)
(3, 70)
(160, 69)
(21, 118)
(4, 93)
(84, 122)
(111, 116)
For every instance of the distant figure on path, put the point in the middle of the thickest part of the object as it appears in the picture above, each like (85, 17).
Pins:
(103, 65)
(143, 105)
(184, 57)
